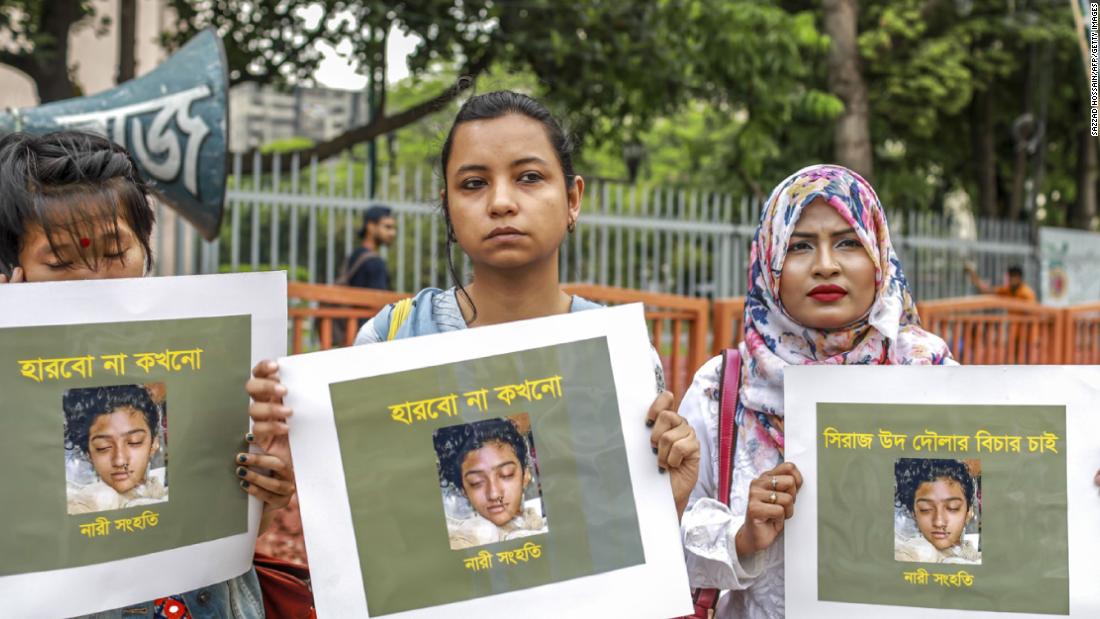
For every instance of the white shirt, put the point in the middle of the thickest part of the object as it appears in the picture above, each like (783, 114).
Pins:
(752, 587)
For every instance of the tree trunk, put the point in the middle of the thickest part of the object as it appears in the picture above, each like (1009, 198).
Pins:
(852, 134)
(1083, 210)
(985, 160)
(50, 70)
(127, 40)
(1019, 177)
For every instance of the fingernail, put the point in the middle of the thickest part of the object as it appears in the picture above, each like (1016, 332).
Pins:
(271, 365)
(249, 437)
(241, 471)
(281, 390)
(244, 484)
(654, 451)
(285, 411)
(649, 423)
(661, 469)
(242, 458)
(667, 393)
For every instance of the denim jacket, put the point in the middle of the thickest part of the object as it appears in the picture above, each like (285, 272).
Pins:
(238, 598)
(434, 311)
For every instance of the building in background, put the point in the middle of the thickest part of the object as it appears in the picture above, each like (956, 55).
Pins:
(261, 114)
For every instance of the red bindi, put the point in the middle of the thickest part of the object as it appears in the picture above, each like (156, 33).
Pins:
(84, 242)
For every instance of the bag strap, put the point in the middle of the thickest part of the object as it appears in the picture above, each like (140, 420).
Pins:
(401, 311)
(727, 420)
(706, 600)
(349, 271)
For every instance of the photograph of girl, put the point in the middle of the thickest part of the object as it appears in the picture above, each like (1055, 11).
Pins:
(937, 511)
(115, 447)
(488, 476)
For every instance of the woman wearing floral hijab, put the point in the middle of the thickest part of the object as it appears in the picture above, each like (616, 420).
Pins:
(826, 288)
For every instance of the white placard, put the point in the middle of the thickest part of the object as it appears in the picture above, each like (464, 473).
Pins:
(104, 586)
(657, 587)
(959, 394)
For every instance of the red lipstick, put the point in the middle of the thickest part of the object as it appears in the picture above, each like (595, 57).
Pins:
(827, 293)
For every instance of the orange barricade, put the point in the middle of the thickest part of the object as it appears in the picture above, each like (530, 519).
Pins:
(319, 305)
(1082, 329)
(729, 324)
(666, 314)
(990, 330)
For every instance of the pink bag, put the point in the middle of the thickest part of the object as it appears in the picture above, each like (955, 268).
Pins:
(707, 599)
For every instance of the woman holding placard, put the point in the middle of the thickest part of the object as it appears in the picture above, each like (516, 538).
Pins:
(73, 206)
(509, 199)
(826, 288)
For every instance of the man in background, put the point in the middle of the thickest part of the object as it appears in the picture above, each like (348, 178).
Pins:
(1015, 288)
(365, 268)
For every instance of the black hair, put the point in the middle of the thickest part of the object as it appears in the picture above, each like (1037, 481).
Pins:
(83, 406)
(493, 105)
(910, 473)
(373, 215)
(65, 182)
(452, 443)
(1016, 270)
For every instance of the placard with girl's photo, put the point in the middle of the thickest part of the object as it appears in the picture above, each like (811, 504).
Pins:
(943, 492)
(474, 467)
(111, 487)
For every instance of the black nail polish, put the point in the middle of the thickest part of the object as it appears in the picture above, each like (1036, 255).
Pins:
(244, 484)
(242, 458)
(249, 437)
(661, 470)
(654, 451)
(649, 423)
(241, 471)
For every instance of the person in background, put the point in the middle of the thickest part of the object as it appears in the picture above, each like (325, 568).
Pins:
(365, 268)
(1015, 288)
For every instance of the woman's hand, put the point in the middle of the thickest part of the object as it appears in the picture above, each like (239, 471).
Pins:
(269, 475)
(17, 276)
(677, 449)
(771, 502)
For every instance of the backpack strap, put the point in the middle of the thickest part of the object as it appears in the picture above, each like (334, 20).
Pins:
(400, 314)
(351, 268)
(706, 600)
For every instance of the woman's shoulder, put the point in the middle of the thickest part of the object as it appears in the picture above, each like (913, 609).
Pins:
(410, 313)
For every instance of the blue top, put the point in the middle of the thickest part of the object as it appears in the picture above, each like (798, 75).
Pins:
(433, 311)
(436, 311)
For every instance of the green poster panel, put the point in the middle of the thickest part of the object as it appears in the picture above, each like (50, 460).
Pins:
(396, 430)
(872, 548)
(59, 509)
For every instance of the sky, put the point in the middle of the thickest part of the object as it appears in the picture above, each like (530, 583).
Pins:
(337, 72)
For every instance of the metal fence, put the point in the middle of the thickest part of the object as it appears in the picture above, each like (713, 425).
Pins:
(677, 241)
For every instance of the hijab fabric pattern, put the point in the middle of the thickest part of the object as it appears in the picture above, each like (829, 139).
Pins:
(889, 334)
